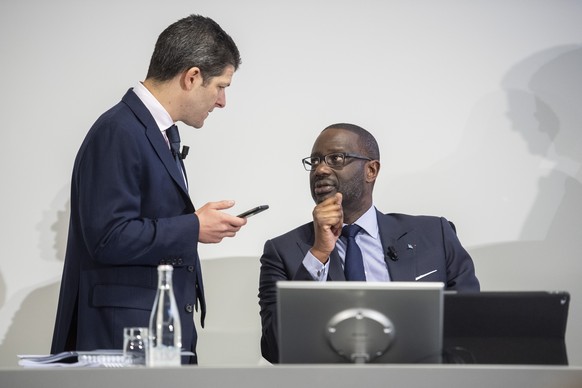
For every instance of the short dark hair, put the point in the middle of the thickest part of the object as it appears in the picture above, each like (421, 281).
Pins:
(194, 41)
(368, 143)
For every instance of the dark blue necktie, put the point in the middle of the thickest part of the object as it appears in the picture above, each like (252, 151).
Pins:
(174, 139)
(353, 263)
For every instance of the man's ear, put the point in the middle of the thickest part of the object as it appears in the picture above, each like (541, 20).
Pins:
(191, 78)
(372, 170)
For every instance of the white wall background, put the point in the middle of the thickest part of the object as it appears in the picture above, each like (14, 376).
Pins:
(477, 106)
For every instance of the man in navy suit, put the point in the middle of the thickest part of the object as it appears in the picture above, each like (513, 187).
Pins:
(130, 207)
(344, 165)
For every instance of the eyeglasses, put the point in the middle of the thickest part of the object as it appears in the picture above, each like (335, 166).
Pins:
(335, 160)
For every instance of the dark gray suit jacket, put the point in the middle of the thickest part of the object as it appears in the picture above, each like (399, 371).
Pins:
(130, 212)
(422, 244)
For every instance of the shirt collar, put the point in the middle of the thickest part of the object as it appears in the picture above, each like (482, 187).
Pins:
(369, 222)
(159, 113)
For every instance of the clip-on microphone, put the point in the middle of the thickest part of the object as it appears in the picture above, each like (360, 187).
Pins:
(392, 254)
(184, 153)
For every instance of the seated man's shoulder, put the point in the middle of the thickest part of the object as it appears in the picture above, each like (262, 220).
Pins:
(413, 217)
(415, 220)
(303, 232)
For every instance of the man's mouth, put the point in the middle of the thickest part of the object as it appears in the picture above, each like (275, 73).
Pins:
(323, 188)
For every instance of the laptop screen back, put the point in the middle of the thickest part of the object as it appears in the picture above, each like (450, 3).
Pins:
(506, 327)
(360, 322)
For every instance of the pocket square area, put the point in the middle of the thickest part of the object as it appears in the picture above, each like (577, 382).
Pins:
(425, 275)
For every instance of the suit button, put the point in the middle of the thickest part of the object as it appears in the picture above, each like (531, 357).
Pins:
(180, 261)
(189, 308)
(190, 268)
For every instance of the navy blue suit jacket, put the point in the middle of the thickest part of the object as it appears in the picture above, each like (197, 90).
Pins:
(130, 212)
(422, 244)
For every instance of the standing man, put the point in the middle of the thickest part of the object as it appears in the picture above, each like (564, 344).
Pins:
(130, 207)
(343, 167)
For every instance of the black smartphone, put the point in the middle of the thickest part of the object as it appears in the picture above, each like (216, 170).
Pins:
(253, 211)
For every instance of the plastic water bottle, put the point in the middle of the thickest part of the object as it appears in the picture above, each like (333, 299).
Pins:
(165, 330)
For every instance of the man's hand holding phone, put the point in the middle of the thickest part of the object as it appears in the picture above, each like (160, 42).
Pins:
(216, 224)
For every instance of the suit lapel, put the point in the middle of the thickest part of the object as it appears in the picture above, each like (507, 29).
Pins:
(159, 144)
(401, 268)
(392, 234)
(155, 138)
(335, 271)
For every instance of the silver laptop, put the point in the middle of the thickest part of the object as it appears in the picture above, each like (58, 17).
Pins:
(360, 322)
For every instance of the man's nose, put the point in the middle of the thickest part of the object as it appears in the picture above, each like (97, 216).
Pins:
(322, 169)
(221, 101)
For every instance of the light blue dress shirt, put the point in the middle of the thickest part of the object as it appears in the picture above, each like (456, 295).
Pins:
(370, 244)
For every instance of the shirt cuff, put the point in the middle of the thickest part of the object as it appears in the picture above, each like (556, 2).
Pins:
(317, 270)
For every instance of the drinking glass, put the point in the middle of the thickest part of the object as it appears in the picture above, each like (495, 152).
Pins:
(135, 345)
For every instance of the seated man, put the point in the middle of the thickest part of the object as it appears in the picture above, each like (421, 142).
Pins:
(343, 166)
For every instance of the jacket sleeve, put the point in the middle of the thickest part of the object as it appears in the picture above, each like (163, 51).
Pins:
(129, 209)
(281, 261)
(460, 268)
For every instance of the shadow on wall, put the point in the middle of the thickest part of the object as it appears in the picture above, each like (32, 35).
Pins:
(547, 255)
(31, 315)
(52, 245)
(31, 330)
(2, 291)
(517, 172)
